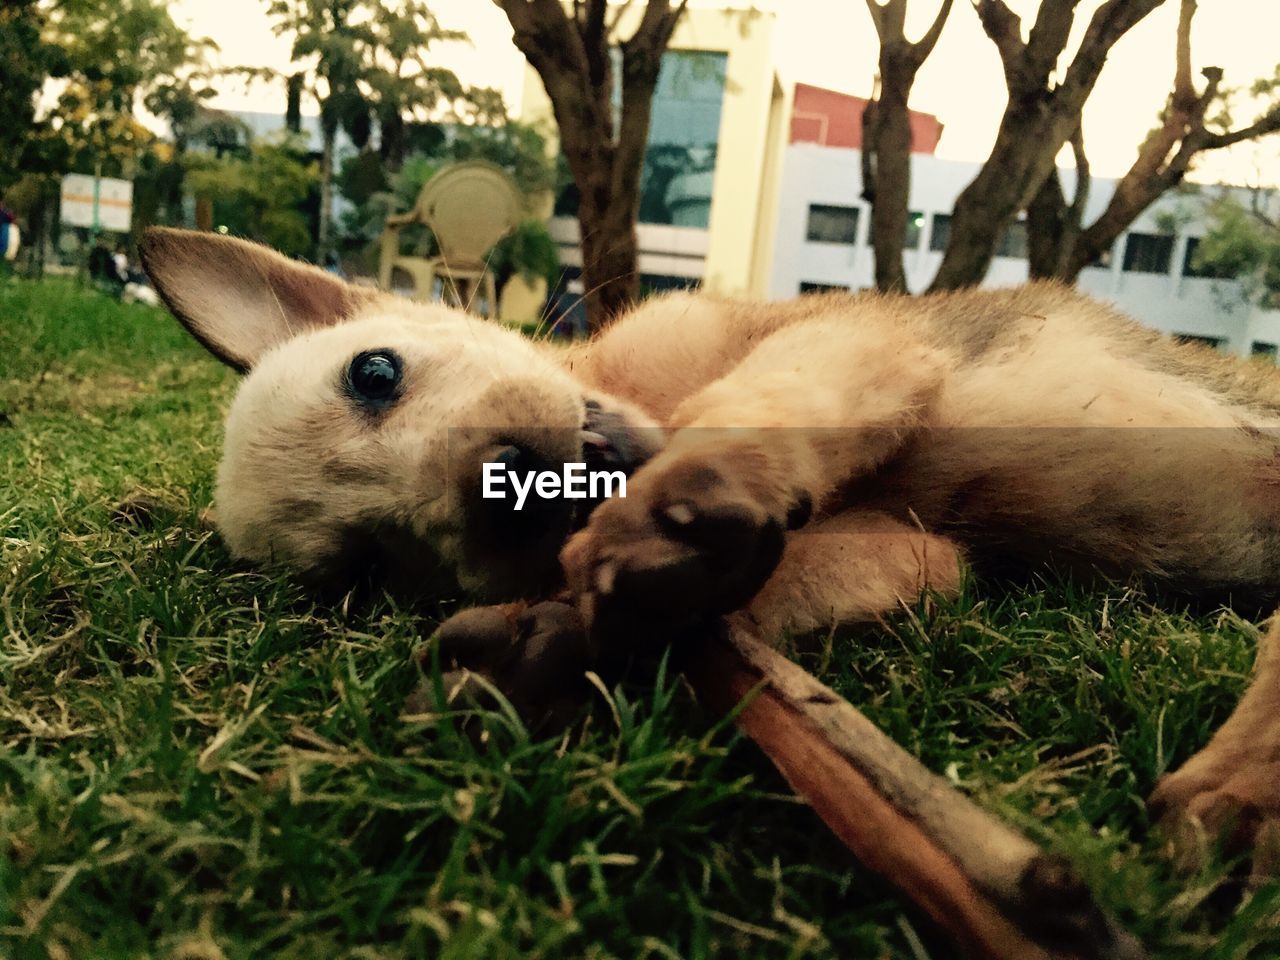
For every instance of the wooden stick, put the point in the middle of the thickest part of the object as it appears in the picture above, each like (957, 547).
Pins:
(990, 888)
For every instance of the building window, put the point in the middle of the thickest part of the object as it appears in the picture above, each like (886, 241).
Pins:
(1266, 351)
(915, 227)
(651, 283)
(940, 234)
(684, 136)
(813, 286)
(1210, 271)
(1212, 342)
(1148, 253)
(1013, 241)
(828, 224)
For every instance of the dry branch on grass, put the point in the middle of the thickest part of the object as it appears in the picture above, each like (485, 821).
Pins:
(990, 888)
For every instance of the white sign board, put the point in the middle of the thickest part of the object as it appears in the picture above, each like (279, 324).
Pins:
(115, 202)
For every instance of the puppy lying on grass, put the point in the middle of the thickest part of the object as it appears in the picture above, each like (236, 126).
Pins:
(799, 465)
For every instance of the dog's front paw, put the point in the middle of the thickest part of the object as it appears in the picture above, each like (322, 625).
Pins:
(536, 656)
(688, 542)
(1227, 793)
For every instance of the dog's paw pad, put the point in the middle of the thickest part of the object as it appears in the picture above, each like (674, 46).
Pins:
(536, 657)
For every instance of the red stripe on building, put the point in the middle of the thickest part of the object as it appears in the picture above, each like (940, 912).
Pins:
(832, 119)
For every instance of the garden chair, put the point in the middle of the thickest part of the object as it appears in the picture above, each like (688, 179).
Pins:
(469, 207)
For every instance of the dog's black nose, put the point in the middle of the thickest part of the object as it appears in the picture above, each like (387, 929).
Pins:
(514, 511)
(517, 459)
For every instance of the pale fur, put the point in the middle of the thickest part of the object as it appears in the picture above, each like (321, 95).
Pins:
(1011, 427)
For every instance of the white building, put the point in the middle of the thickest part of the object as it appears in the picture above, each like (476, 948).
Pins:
(822, 241)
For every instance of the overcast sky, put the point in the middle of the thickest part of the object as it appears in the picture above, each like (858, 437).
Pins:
(832, 43)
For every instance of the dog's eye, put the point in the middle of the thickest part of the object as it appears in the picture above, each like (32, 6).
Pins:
(374, 377)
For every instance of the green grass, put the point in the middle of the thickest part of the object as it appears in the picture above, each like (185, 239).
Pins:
(198, 762)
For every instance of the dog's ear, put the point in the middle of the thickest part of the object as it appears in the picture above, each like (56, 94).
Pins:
(238, 298)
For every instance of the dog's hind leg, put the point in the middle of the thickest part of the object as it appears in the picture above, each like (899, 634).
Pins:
(1231, 788)
(853, 567)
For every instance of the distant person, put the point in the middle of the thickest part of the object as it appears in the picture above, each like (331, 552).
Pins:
(103, 270)
(8, 233)
(120, 260)
(333, 265)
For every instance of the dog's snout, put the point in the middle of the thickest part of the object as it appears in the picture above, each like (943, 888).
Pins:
(515, 458)
(514, 508)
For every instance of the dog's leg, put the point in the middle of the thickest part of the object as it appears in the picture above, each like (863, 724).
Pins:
(753, 454)
(851, 568)
(1231, 788)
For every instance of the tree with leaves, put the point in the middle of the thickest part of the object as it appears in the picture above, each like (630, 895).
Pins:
(258, 192)
(328, 36)
(1243, 243)
(886, 135)
(27, 60)
(114, 58)
(604, 145)
(402, 82)
(365, 63)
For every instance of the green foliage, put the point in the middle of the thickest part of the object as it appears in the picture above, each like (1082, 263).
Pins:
(1244, 242)
(26, 61)
(518, 148)
(120, 55)
(529, 251)
(257, 194)
(196, 760)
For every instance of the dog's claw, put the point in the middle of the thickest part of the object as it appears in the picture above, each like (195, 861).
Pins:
(687, 544)
(1203, 804)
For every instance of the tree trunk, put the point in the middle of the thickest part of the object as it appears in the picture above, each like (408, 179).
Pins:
(886, 141)
(329, 134)
(891, 191)
(1042, 113)
(611, 247)
(293, 103)
(1021, 160)
(391, 140)
(1053, 226)
(570, 50)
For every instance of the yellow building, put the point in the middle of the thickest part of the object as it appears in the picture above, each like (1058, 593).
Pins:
(712, 169)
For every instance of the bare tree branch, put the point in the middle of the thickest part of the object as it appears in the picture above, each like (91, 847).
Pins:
(1182, 86)
(886, 135)
(1110, 22)
(1268, 123)
(1039, 118)
(1168, 152)
(924, 46)
(1004, 27)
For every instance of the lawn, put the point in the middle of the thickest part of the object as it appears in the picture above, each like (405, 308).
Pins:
(196, 761)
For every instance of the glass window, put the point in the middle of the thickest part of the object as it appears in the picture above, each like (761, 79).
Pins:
(829, 224)
(684, 134)
(1214, 342)
(814, 286)
(915, 227)
(651, 283)
(1013, 241)
(1262, 349)
(940, 233)
(1212, 271)
(1148, 253)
